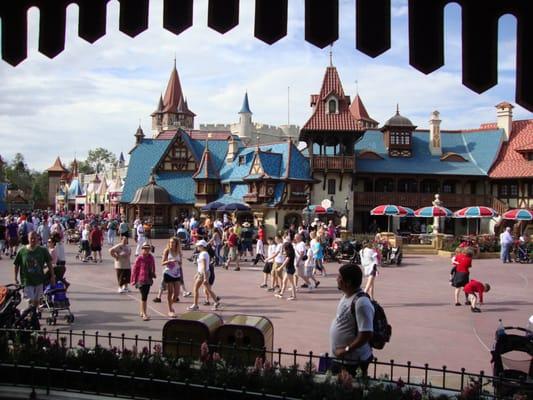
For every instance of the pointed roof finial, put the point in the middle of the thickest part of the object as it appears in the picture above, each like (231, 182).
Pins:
(397, 108)
(174, 60)
(245, 109)
(257, 139)
(331, 55)
(357, 87)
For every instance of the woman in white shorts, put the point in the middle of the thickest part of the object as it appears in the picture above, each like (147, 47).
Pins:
(202, 277)
(309, 266)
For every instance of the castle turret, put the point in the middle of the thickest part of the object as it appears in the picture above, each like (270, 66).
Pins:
(245, 119)
(139, 135)
(157, 117)
(175, 113)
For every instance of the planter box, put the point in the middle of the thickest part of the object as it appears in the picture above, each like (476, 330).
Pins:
(489, 254)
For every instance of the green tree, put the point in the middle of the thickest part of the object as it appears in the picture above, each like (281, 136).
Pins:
(85, 168)
(18, 174)
(100, 158)
(39, 193)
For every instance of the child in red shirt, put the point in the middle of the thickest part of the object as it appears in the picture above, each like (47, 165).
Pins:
(473, 289)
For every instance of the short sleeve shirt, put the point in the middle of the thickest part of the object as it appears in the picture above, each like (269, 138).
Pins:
(31, 264)
(343, 327)
(204, 255)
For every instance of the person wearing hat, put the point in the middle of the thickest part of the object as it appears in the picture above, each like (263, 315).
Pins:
(202, 277)
(143, 275)
(247, 234)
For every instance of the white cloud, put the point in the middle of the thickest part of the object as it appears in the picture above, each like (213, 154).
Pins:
(93, 95)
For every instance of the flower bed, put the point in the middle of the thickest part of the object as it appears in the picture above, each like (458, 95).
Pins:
(149, 373)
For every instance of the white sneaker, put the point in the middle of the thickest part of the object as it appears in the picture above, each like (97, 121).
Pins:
(193, 307)
(126, 290)
(120, 290)
(187, 294)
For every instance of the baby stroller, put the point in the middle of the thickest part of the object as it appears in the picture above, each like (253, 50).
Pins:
(184, 238)
(54, 301)
(10, 315)
(73, 236)
(516, 375)
(522, 254)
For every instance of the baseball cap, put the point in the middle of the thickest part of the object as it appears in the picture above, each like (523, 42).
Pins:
(202, 243)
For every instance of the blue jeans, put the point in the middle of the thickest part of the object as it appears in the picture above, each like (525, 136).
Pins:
(506, 252)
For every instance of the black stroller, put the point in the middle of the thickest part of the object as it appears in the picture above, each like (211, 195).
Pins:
(516, 376)
(522, 254)
(10, 315)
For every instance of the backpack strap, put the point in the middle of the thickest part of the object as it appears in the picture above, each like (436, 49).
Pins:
(360, 293)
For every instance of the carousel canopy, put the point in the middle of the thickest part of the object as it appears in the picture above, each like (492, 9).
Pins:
(151, 194)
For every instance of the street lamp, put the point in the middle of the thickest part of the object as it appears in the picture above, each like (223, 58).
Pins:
(347, 211)
(308, 210)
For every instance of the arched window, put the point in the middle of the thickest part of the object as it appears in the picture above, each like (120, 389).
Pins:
(384, 185)
(429, 186)
(332, 106)
(407, 186)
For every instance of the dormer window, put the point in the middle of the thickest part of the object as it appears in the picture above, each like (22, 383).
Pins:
(332, 106)
(400, 138)
(241, 160)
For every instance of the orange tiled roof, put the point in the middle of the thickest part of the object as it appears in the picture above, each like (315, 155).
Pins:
(322, 121)
(57, 167)
(510, 162)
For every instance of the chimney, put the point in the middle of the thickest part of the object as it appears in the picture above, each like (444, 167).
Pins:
(435, 146)
(505, 118)
(232, 150)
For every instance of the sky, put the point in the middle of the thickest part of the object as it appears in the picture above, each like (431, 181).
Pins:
(96, 95)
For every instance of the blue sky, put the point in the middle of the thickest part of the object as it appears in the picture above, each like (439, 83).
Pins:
(96, 95)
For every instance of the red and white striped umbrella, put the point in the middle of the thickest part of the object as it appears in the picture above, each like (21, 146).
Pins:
(433, 211)
(519, 214)
(391, 209)
(475, 212)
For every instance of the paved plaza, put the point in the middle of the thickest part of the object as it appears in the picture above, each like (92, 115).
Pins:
(417, 297)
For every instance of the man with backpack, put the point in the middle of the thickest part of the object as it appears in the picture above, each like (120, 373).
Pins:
(352, 328)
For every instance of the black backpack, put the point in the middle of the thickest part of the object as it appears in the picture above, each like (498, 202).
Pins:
(382, 330)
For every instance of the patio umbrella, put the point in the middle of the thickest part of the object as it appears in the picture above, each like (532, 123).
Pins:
(213, 206)
(234, 207)
(432, 211)
(392, 210)
(317, 209)
(475, 212)
(519, 214)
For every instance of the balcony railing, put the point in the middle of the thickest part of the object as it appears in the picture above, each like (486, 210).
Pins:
(336, 163)
(416, 200)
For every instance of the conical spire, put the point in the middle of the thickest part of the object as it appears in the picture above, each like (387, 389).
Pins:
(206, 170)
(245, 109)
(75, 168)
(173, 94)
(358, 110)
(57, 167)
(139, 135)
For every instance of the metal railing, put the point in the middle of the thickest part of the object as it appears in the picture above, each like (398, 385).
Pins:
(383, 371)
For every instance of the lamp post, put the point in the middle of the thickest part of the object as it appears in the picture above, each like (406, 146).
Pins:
(308, 211)
(347, 212)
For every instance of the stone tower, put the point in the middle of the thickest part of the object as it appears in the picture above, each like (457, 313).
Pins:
(55, 173)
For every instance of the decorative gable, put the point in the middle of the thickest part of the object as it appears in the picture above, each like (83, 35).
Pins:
(369, 155)
(257, 168)
(178, 157)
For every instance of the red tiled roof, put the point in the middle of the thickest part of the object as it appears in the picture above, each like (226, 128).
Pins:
(57, 167)
(211, 135)
(322, 121)
(358, 110)
(173, 100)
(510, 163)
(167, 135)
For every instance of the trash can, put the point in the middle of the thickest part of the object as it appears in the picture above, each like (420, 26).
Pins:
(243, 337)
(194, 326)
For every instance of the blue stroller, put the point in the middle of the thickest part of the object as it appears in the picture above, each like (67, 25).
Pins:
(54, 301)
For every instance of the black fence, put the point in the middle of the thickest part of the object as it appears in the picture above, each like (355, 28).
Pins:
(84, 381)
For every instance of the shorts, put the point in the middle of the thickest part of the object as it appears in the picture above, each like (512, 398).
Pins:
(169, 279)
(301, 269)
(33, 293)
(96, 247)
(267, 269)
(232, 253)
(123, 276)
(309, 271)
(277, 270)
(460, 279)
(125, 234)
(144, 289)
(13, 241)
(472, 297)
(290, 271)
(246, 246)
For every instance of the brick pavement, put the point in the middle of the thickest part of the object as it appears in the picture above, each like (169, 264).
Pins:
(417, 297)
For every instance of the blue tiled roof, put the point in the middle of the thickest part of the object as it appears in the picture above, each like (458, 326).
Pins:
(75, 189)
(271, 163)
(143, 158)
(480, 149)
(179, 185)
(206, 170)
(300, 168)
(238, 191)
